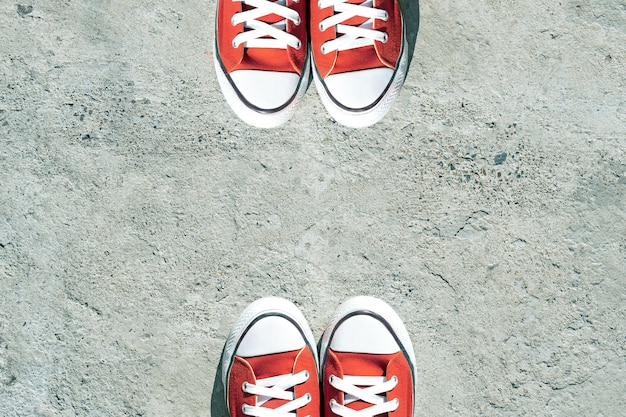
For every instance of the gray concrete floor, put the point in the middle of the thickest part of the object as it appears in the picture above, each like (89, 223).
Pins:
(138, 216)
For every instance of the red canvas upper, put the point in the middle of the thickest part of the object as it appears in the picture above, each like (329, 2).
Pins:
(251, 369)
(268, 59)
(364, 364)
(381, 54)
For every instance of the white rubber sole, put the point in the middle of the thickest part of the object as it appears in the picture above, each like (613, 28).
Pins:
(254, 117)
(263, 307)
(378, 308)
(365, 118)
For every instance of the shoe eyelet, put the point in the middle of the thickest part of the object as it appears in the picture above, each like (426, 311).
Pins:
(297, 21)
(308, 397)
(331, 379)
(386, 16)
(235, 45)
(319, 4)
(385, 38)
(323, 50)
(244, 386)
(321, 27)
(306, 373)
(298, 46)
(394, 378)
(232, 21)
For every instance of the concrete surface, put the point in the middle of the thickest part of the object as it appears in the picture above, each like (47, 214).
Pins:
(138, 217)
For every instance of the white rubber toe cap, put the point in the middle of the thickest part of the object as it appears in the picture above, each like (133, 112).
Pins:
(363, 334)
(359, 89)
(271, 334)
(266, 90)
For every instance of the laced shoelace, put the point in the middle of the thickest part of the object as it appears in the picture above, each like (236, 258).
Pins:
(352, 36)
(276, 387)
(259, 34)
(373, 387)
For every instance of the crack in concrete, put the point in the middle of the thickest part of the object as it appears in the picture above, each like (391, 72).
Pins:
(85, 304)
(468, 221)
(441, 277)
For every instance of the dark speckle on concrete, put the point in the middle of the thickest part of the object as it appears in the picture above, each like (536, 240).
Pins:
(24, 10)
(500, 158)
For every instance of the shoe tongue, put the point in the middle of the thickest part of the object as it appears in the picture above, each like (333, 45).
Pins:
(270, 18)
(268, 366)
(266, 59)
(356, 20)
(363, 364)
(356, 59)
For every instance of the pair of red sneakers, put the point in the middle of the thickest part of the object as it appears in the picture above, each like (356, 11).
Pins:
(270, 363)
(266, 50)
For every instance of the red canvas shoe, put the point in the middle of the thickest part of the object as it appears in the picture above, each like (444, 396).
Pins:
(360, 57)
(261, 58)
(368, 363)
(269, 365)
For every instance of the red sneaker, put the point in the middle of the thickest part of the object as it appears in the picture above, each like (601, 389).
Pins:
(261, 58)
(360, 57)
(368, 364)
(270, 363)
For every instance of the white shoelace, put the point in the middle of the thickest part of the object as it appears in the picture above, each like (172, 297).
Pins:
(259, 34)
(374, 387)
(352, 36)
(276, 387)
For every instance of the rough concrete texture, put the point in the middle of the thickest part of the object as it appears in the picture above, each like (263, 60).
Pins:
(138, 217)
